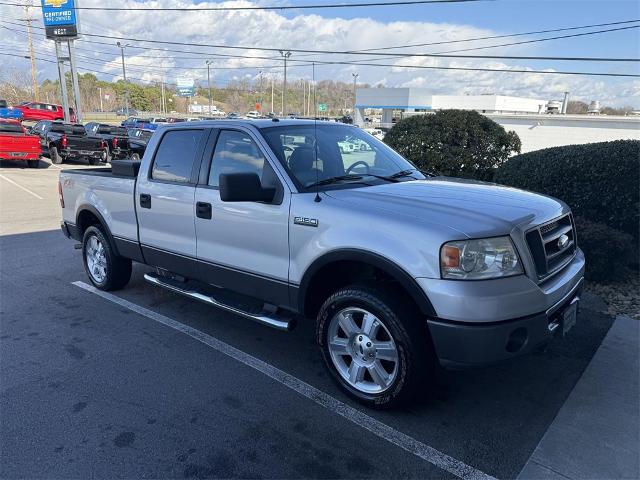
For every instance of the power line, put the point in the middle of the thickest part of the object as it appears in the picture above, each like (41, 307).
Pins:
(272, 7)
(381, 54)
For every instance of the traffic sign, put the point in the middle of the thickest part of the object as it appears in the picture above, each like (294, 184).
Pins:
(322, 107)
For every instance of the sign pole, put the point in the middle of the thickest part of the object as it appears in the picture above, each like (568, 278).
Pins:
(63, 82)
(74, 79)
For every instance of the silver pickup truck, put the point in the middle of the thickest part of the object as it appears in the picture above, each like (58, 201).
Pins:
(276, 221)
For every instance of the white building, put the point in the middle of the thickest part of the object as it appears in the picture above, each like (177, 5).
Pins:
(526, 116)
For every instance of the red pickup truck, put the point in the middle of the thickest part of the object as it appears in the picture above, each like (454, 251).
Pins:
(43, 111)
(16, 144)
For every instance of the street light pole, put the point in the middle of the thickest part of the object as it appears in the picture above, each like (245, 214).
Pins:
(355, 86)
(124, 74)
(286, 56)
(209, 62)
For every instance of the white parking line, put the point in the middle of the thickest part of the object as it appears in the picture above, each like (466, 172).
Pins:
(21, 187)
(411, 445)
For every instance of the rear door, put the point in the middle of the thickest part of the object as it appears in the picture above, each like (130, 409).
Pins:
(242, 246)
(165, 201)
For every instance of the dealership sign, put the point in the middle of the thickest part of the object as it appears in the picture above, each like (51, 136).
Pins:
(186, 86)
(60, 19)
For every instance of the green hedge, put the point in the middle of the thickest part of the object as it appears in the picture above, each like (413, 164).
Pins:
(610, 253)
(599, 181)
(457, 143)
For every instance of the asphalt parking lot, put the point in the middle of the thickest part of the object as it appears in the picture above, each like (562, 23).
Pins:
(96, 387)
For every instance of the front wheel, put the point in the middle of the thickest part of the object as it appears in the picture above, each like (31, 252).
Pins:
(106, 269)
(93, 160)
(375, 346)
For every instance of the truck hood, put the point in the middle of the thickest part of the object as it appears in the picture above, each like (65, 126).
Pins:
(476, 209)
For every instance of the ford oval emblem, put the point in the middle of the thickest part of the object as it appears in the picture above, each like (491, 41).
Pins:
(562, 241)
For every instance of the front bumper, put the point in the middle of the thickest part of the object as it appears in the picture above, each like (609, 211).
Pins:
(483, 322)
(460, 345)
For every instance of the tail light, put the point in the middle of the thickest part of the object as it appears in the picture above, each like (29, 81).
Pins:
(115, 142)
(103, 144)
(63, 141)
(60, 195)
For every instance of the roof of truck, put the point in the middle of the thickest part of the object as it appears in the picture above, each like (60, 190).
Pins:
(258, 123)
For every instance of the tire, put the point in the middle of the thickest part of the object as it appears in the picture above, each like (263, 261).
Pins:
(93, 160)
(106, 270)
(33, 163)
(55, 156)
(106, 157)
(382, 377)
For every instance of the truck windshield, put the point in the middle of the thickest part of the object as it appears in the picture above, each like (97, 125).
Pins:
(346, 156)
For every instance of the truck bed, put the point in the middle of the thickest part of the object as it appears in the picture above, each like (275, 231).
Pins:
(110, 195)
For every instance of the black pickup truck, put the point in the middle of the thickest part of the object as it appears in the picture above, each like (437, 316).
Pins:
(138, 139)
(116, 138)
(62, 141)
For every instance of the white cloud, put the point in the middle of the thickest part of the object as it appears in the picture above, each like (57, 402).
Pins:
(306, 31)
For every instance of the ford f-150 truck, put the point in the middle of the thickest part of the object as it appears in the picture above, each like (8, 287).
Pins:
(269, 219)
(16, 144)
(63, 141)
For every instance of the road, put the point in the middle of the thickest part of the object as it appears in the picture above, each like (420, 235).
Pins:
(100, 387)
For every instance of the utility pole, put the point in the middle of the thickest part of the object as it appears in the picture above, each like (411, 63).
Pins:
(304, 98)
(162, 105)
(355, 83)
(124, 74)
(261, 95)
(272, 111)
(34, 78)
(209, 62)
(74, 79)
(286, 56)
(101, 109)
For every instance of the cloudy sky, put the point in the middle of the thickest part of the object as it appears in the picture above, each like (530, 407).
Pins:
(355, 29)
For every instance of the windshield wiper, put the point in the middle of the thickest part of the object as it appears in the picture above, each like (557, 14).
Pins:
(402, 173)
(329, 181)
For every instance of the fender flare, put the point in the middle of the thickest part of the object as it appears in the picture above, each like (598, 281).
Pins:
(103, 223)
(378, 261)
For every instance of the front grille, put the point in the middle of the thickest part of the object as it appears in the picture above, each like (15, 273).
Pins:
(552, 245)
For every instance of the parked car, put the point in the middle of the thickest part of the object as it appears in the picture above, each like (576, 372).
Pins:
(254, 114)
(17, 144)
(44, 111)
(135, 122)
(138, 140)
(399, 269)
(8, 112)
(62, 141)
(116, 139)
(347, 146)
(233, 115)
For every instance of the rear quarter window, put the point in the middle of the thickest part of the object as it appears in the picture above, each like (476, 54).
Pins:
(176, 155)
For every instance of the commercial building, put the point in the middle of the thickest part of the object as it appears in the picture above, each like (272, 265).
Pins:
(528, 117)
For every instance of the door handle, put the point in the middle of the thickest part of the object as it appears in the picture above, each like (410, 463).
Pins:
(203, 210)
(145, 200)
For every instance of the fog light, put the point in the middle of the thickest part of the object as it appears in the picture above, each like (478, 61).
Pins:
(517, 339)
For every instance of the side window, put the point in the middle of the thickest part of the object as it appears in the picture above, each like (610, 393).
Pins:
(175, 156)
(237, 153)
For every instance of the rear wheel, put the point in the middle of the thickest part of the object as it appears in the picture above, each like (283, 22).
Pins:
(376, 348)
(54, 155)
(93, 160)
(106, 155)
(106, 269)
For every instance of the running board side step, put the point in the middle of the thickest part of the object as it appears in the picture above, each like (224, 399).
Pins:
(266, 318)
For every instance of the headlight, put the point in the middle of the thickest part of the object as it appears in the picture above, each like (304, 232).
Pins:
(479, 259)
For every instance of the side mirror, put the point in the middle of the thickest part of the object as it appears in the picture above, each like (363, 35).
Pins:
(244, 187)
